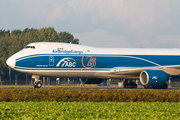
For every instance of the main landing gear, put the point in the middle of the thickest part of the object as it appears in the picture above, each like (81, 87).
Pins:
(164, 86)
(129, 84)
(37, 83)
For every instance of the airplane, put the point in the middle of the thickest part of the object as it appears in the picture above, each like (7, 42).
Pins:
(152, 66)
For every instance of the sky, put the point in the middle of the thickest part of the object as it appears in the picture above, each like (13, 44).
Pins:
(100, 23)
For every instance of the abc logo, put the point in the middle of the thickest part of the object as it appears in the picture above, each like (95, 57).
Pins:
(66, 62)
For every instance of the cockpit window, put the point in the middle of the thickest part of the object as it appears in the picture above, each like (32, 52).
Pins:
(33, 47)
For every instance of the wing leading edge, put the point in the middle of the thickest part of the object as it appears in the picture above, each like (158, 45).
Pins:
(170, 70)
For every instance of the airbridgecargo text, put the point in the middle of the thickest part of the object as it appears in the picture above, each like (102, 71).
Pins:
(67, 51)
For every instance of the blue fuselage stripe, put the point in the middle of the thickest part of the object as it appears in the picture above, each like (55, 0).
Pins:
(92, 62)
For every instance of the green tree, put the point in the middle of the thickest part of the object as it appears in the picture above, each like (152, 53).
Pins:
(14, 41)
(67, 38)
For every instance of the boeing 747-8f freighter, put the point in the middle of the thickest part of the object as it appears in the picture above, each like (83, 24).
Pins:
(93, 65)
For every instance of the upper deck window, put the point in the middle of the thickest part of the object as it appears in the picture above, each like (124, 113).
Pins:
(33, 47)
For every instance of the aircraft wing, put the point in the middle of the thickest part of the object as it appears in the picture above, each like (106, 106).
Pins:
(170, 70)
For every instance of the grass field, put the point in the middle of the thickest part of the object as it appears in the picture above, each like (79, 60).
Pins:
(89, 110)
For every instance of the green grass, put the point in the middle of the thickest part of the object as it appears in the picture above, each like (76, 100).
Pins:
(89, 110)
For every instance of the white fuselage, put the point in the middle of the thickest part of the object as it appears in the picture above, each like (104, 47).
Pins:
(78, 61)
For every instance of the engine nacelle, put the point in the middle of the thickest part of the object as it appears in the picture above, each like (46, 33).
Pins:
(153, 77)
(91, 80)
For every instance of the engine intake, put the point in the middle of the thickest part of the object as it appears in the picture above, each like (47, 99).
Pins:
(153, 77)
(91, 80)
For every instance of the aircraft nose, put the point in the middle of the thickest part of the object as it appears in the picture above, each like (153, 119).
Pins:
(10, 62)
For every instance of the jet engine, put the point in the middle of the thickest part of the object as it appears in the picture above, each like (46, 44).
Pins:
(91, 80)
(153, 77)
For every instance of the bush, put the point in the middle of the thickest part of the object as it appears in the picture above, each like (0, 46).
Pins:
(89, 95)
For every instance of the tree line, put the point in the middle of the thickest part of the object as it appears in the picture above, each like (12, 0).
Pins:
(13, 41)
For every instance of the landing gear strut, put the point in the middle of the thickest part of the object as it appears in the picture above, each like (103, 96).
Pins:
(129, 84)
(164, 86)
(37, 83)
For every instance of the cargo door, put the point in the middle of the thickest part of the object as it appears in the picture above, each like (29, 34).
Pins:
(51, 60)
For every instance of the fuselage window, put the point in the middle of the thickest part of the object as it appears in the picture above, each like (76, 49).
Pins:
(33, 47)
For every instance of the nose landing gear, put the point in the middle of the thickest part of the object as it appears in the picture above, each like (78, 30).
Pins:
(37, 83)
